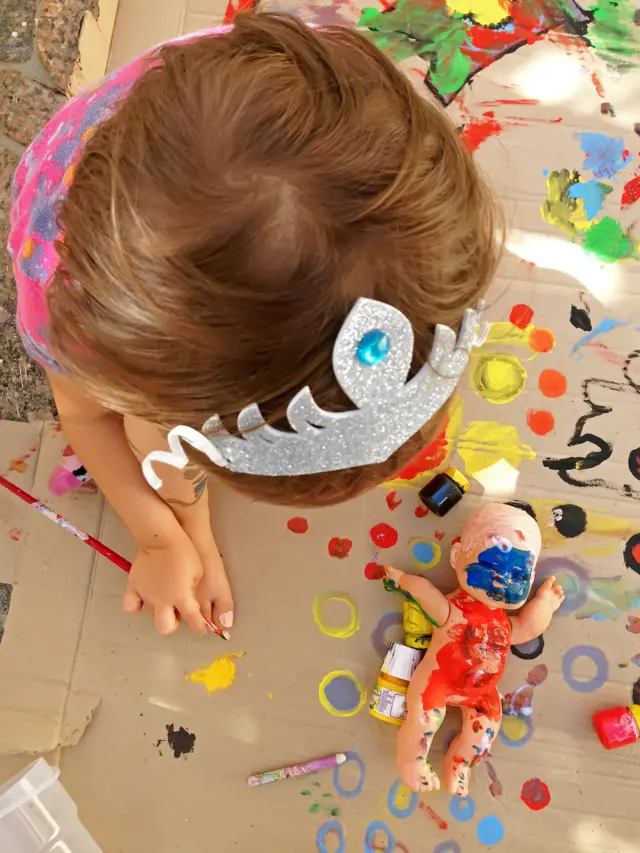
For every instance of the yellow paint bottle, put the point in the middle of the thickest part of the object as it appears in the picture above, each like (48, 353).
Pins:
(389, 698)
(417, 628)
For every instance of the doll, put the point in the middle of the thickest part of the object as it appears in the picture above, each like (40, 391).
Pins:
(494, 561)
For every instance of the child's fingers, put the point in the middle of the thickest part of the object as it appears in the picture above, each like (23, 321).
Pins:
(131, 601)
(223, 612)
(193, 617)
(165, 620)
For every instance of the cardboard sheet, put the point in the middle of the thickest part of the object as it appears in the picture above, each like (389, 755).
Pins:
(104, 696)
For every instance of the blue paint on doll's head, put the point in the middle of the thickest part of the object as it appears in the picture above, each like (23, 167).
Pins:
(504, 575)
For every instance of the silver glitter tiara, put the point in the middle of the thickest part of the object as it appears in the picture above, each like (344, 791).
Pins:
(371, 360)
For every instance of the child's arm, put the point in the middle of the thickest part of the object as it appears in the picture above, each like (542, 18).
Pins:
(168, 568)
(535, 617)
(431, 600)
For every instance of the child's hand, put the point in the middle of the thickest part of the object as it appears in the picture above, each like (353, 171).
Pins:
(551, 593)
(213, 591)
(392, 575)
(164, 581)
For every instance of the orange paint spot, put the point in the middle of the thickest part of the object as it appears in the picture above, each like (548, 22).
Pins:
(597, 84)
(19, 465)
(541, 340)
(28, 248)
(68, 175)
(540, 421)
(521, 316)
(15, 534)
(552, 383)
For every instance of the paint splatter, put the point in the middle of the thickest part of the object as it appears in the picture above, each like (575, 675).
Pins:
(570, 520)
(373, 572)
(612, 34)
(580, 319)
(298, 525)
(392, 501)
(20, 464)
(541, 340)
(605, 326)
(606, 109)
(339, 548)
(552, 383)
(631, 192)
(535, 794)
(421, 512)
(498, 377)
(182, 742)
(5, 602)
(605, 156)
(566, 213)
(607, 241)
(220, 675)
(435, 817)
(383, 535)
(15, 533)
(633, 624)
(495, 785)
(540, 421)
(484, 443)
(479, 129)
(593, 193)
(521, 315)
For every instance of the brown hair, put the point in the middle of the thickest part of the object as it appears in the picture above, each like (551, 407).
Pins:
(223, 222)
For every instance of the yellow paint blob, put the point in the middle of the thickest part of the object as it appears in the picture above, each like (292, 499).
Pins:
(485, 12)
(483, 443)
(505, 333)
(514, 728)
(402, 799)
(220, 675)
(344, 631)
(567, 214)
(498, 377)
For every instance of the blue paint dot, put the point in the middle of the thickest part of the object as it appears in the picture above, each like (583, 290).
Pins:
(342, 693)
(373, 347)
(462, 808)
(490, 830)
(423, 551)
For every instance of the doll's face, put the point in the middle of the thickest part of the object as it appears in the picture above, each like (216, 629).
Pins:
(496, 556)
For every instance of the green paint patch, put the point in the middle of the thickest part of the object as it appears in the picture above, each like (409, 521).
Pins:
(306, 793)
(316, 784)
(614, 34)
(315, 808)
(327, 795)
(608, 241)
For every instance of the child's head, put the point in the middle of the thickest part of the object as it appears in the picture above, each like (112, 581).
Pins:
(222, 224)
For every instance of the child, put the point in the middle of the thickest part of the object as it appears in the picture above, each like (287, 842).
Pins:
(188, 237)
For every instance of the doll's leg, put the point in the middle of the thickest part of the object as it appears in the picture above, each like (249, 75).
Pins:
(470, 746)
(414, 742)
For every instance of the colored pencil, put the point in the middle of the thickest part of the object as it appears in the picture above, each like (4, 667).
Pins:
(297, 770)
(98, 546)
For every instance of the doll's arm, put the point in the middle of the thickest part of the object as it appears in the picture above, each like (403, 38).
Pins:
(434, 603)
(535, 617)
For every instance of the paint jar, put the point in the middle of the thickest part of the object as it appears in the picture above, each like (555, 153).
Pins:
(38, 816)
(417, 628)
(618, 726)
(444, 491)
(389, 698)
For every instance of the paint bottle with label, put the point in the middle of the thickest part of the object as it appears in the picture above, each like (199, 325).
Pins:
(618, 726)
(417, 628)
(389, 698)
(444, 491)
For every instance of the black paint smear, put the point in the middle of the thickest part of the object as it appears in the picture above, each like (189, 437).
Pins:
(630, 560)
(181, 742)
(580, 319)
(5, 601)
(570, 520)
(634, 463)
(636, 128)
(529, 651)
(524, 506)
(635, 693)
(604, 449)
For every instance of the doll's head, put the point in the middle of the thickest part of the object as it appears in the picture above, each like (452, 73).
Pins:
(496, 555)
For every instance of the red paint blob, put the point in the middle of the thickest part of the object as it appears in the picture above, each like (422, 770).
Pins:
(339, 548)
(541, 340)
(631, 192)
(298, 525)
(421, 512)
(521, 316)
(373, 572)
(478, 130)
(540, 421)
(635, 552)
(535, 794)
(383, 535)
(392, 503)
(552, 383)
(439, 534)
(429, 457)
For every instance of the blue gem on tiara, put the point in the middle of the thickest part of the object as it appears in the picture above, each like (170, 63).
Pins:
(373, 347)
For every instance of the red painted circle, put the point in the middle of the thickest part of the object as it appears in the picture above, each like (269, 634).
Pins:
(373, 572)
(298, 525)
(535, 794)
(540, 421)
(383, 535)
(521, 316)
(339, 548)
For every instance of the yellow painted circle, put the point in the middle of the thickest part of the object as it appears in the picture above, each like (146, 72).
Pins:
(344, 631)
(498, 377)
(322, 696)
(514, 728)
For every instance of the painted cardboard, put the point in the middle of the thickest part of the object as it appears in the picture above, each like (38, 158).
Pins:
(94, 690)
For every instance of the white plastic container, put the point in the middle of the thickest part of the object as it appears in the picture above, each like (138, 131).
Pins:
(38, 816)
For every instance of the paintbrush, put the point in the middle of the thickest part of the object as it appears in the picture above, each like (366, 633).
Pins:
(98, 546)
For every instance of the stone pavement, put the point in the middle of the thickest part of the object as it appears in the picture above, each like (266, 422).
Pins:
(38, 52)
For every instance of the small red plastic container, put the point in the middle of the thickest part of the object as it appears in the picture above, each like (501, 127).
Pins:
(618, 726)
